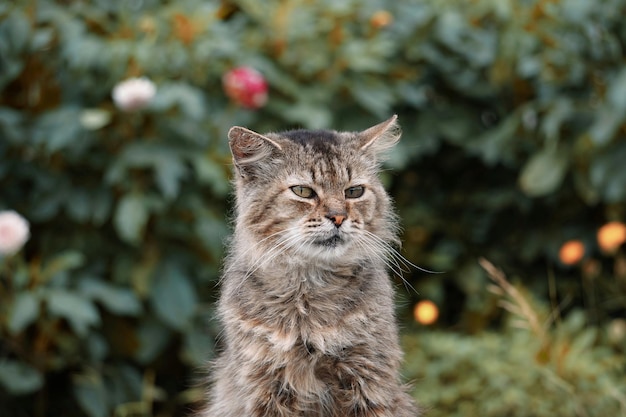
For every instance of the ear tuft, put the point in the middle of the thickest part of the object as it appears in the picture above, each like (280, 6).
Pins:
(248, 147)
(377, 139)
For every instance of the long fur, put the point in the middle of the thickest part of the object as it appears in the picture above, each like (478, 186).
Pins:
(306, 304)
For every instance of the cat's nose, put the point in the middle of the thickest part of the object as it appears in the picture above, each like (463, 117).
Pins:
(336, 218)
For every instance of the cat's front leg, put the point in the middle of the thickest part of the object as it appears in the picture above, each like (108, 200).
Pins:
(275, 400)
(368, 387)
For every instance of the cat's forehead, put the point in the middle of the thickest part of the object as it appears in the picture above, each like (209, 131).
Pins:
(316, 143)
(322, 156)
(313, 138)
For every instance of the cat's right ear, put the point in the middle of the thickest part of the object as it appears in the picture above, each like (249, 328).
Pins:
(378, 139)
(248, 148)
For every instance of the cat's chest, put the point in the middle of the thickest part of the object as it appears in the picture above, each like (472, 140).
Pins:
(314, 298)
(315, 311)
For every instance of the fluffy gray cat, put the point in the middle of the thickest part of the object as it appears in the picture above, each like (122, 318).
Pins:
(306, 303)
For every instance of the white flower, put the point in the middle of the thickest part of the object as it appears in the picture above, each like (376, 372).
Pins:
(134, 93)
(14, 232)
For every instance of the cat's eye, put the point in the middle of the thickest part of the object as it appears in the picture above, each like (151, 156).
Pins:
(355, 192)
(302, 191)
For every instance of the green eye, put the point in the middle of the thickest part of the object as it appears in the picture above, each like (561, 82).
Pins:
(355, 192)
(302, 191)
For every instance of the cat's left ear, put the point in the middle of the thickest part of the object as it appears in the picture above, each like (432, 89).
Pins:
(249, 149)
(377, 139)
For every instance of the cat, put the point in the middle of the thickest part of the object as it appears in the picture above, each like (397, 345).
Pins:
(306, 304)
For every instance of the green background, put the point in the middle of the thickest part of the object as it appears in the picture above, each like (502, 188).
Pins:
(514, 142)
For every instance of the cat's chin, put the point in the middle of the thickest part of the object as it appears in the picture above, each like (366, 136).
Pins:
(331, 242)
(328, 250)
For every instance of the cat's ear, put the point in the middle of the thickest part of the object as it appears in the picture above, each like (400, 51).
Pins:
(249, 147)
(377, 139)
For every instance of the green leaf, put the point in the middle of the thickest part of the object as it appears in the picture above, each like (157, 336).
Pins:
(42, 38)
(211, 173)
(97, 347)
(607, 173)
(79, 205)
(101, 202)
(198, 347)
(173, 298)
(495, 145)
(166, 161)
(124, 384)
(543, 173)
(153, 338)
(366, 55)
(91, 394)
(189, 99)
(131, 217)
(578, 11)
(24, 311)
(616, 93)
(15, 29)
(606, 125)
(76, 309)
(451, 28)
(169, 171)
(311, 115)
(63, 262)
(117, 300)
(19, 378)
(11, 124)
(559, 112)
(58, 129)
(212, 231)
(376, 97)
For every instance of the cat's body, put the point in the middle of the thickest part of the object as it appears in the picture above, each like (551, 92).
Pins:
(306, 303)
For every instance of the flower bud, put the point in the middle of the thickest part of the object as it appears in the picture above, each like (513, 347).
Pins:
(381, 19)
(134, 93)
(611, 236)
(571, 252)
(246, 86)
(426, 312)
(14, 232)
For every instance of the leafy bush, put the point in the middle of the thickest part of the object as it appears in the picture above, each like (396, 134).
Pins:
(491, 375)
(535, 368)
(514, 124)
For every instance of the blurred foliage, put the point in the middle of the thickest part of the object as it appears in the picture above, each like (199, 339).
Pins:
(548, 366)
(506, 374)
(513, 113)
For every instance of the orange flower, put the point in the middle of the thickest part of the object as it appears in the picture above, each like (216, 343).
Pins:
(571, 252)
(425, 312)
(381, 19)
(611, 236)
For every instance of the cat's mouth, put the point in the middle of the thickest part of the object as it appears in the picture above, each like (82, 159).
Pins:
(331, 242)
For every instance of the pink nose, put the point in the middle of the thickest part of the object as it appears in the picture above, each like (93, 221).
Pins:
(337, 219)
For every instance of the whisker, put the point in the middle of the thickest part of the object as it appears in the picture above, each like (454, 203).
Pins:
(279, 247)
(255, 246)
(271, 254)
(393, 252)
(376, 255)
(379, 253)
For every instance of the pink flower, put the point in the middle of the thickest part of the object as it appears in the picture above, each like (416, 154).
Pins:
(134, 93)
(246, 86)
(14, 232)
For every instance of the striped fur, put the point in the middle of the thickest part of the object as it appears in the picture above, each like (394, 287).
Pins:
(306, 303)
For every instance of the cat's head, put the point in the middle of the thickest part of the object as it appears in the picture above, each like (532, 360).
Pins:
(314, 195)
